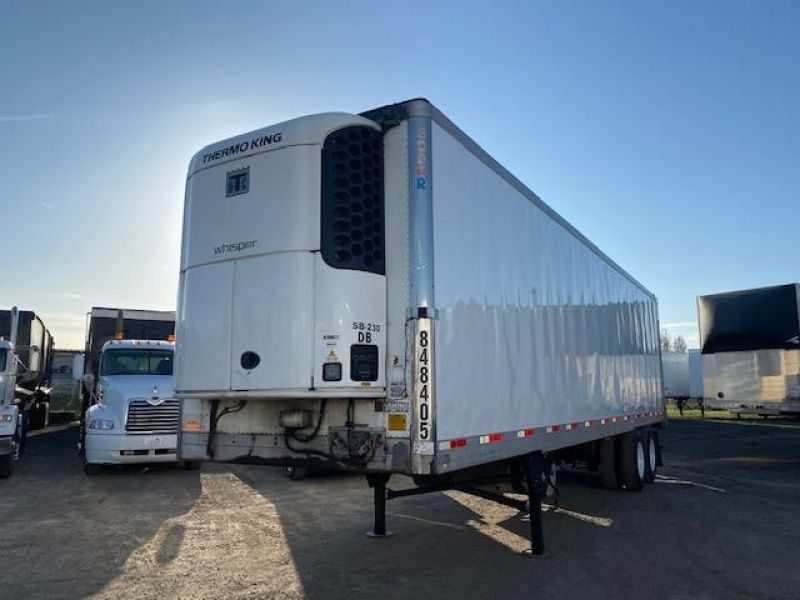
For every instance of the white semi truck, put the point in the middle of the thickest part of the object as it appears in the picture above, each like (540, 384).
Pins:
(375, 293)
(25, 350)
(132, 415)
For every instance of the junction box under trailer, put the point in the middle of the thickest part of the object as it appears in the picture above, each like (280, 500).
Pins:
(376, 293)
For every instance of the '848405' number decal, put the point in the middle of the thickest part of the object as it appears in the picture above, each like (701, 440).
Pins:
(424, 383)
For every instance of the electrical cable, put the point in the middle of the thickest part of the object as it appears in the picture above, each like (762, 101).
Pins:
(212, 429)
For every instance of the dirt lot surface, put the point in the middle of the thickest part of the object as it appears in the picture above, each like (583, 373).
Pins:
(721, 522)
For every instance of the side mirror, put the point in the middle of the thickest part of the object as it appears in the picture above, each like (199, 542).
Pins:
(78, 362)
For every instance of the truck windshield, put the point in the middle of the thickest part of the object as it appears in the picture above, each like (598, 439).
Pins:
(2, 359)
(136, 362)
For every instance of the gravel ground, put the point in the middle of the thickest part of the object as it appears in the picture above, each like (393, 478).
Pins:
(721, 522)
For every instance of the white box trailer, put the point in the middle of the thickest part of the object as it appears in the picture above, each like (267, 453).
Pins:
(696, 375)
(675, 367)
(376, 293)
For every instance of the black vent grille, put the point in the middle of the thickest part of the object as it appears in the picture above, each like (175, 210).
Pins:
(352, 200)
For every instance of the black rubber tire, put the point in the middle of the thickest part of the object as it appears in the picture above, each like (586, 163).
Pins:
(192, 465)
(89, 468)
(631, 475)
(651, 452)
(6, 466)
(92, 469)
(22, 437)
(608, 463)
(38, 416)
(296, 473)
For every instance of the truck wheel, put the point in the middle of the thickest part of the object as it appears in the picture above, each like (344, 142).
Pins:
(89, 468)
(22, 438)
(651, 455)
(296, 473)
(633, 460)
(6, 466)
(192, 465)
(37, 418)
(608, 463)
(92, 469)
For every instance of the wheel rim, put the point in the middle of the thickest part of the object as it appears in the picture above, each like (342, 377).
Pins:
(640, 459)
(651, 447)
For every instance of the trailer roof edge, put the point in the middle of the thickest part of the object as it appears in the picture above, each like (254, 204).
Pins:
(403, 110)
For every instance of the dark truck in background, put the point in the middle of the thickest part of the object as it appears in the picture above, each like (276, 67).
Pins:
(33, 352)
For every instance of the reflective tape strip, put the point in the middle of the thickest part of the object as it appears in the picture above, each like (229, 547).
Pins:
(523, 433)
(459, 443)
(491, 438)
(553, 428)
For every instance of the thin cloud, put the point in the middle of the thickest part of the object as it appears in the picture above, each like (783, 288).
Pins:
(20, 118)
(45, 205)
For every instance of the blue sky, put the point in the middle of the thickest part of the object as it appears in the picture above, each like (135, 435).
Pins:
(666, 131)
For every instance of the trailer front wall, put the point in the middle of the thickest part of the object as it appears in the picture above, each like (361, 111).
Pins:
(535, 327)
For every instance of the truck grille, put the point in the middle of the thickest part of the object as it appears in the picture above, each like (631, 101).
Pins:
(143, 417)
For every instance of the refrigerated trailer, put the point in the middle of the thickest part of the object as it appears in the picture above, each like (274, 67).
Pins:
(750, 344)
(375, 293)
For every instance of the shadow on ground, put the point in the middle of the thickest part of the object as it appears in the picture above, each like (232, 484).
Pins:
(689, 535)
(63, 534)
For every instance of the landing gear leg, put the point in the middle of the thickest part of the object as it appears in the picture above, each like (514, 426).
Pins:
(377, 481)
(537, 469)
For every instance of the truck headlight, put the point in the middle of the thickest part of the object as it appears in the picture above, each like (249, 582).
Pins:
(6, 418)
(101, 424)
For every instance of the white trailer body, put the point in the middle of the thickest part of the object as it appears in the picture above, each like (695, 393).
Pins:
(676, 375)
(696, 375)
(764, 381)
(375, 292)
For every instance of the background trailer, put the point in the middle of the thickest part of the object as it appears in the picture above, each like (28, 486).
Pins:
(33, 353)
(750, 344)
(376, 293)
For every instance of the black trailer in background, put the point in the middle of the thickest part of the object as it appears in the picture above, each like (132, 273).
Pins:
(759, 319)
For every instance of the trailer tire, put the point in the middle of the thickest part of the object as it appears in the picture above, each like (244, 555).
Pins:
(296, 473)
(192, 465)
(651, 456)
(608, 463)
(6, 466)
(633, 460)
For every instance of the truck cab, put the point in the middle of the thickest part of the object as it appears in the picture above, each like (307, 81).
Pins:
(134, 414)
(11, 421)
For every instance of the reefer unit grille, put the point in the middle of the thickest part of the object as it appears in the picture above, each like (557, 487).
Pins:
(352, 200)
(144, 417)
